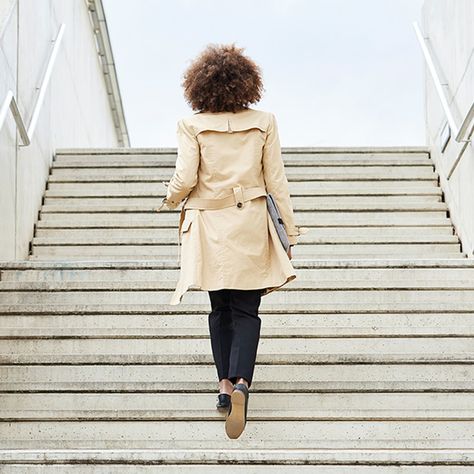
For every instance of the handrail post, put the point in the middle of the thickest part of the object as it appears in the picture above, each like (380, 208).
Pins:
(5, 107)
(10, 103)
(465, 125)
(25, 136)
(460, 155)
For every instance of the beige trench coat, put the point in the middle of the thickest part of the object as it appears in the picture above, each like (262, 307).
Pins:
(236, 246)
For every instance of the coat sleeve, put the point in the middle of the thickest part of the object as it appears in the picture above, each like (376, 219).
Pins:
(276, 181)
(185, 176)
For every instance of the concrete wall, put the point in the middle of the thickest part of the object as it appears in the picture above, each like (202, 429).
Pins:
(75, 113)
(449, 26)
(8, 79)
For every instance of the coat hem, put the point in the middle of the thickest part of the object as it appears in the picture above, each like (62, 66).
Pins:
(180, 291)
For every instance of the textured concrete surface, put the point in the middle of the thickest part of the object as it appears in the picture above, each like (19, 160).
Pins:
(448, 26)
(75, 112)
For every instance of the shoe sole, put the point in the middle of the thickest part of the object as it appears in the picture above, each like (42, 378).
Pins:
(235, 422)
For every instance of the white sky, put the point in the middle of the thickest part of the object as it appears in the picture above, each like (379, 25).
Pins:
(336, 72)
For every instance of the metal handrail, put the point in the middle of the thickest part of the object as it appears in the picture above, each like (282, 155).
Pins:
(10, 102)
(463, 133)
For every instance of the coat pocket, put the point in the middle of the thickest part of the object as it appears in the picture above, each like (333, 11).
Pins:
(189, 216)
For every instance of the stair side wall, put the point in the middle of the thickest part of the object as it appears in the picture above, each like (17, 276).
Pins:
(76, 111)
(448, 25)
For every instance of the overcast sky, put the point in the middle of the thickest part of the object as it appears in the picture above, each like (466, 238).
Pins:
(336, 72)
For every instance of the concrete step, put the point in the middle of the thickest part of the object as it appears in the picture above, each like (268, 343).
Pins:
(298, 173)
(346, 272)
(168, 161)
(203, 461)
(319, 234)
(381, 264)
(440, 250)
(37, 293)
(319, 202)
(170, 236)
(344, 434)
(273, 325)
(300, 283)
(252, 460)
(290, 159)
(194, 302)
(296, 151)
(368, 171)
(350, 278)
(288, 378)
(304, 218)
(264, 406)
(297, 188)
(299, 204)
(271, 351)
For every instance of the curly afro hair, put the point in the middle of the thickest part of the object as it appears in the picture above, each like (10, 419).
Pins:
(222, 79)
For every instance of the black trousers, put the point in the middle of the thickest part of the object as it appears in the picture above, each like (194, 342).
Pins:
(234, 327)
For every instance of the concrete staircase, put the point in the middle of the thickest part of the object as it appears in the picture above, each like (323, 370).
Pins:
(365, 361)
(98, 203)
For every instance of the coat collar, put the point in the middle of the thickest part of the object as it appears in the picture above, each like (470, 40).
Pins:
(229, 121)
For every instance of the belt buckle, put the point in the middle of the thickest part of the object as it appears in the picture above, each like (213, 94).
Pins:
(238, 196)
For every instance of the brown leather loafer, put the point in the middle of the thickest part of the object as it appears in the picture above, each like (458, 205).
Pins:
(237, 415)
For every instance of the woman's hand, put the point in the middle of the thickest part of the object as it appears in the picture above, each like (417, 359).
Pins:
(163, 203)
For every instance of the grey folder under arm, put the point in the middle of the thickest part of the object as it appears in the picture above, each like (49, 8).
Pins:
(277, 221)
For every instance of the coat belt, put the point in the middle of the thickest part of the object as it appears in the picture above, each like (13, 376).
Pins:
(238, 197)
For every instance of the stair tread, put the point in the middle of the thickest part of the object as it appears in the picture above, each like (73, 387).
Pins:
(345, 434)
(286, 458)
